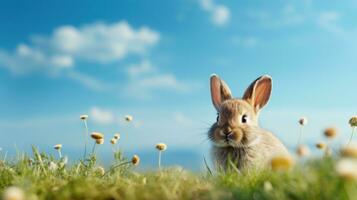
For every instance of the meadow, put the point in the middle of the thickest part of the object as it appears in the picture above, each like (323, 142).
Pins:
(330, 175)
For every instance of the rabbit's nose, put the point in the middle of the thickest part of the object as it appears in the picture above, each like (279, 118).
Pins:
(229, 136)
(227, 131)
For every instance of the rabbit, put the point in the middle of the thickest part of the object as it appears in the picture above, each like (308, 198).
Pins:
(236, 134)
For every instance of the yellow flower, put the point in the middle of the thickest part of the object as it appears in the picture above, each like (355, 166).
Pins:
(281, 163)
(161, 146)
(58, 146)
(330, 132)
(96, 135)
(128, 118)
(13, 193)
(346, 168)
(303, 121)
(83, 117)
(349, 151)
(353, 121)
(99, 141)
(320, 145)
(302, 150)
(117, 136)
(113, 141)
(135, 160)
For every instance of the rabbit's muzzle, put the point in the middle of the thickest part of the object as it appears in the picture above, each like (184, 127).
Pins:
(228, 136)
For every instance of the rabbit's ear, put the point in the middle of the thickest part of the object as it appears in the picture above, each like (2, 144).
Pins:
(258, 93)
(219, 91)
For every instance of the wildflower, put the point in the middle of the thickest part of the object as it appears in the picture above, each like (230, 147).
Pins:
(281, 163)
(268, 186)
(302, 150)
(161, 146)
(117, 136)
(52, 166)
(97, 136)
(100, 171)
(58, 146)
(346, 168)
(349, 151)
(113, 141)
(330, 132)
(320, 145)
(303, 121)
(135, 160)
(128, 118)
(353, 121)
(83, 117)
(99, 141)
(13, 193)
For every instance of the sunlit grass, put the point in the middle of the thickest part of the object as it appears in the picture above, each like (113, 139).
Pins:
(41, 175)
(315, 179)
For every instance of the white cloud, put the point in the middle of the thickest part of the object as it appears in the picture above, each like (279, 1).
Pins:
(96, 42)
(287, 16)
(146, 86)
(329, 21)
(109, 117)
(143, 67)
(145, 79)
(181, 119)
(168, 81)
(99, 43)
(88, 81)
(220, 14)
(248, 42)
(102, 42)
(101, 116)
(62, 61)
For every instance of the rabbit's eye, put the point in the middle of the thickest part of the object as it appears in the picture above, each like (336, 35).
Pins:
(217, 117)
(244, 119)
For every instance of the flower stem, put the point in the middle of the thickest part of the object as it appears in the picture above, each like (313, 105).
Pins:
(59, 153)
(116, 166)
(159, 160)
(93, 149)
(353, 131)
(300, 135)
(85, 140)
(329, 149)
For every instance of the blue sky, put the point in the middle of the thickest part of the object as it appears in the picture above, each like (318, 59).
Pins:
(152, 59)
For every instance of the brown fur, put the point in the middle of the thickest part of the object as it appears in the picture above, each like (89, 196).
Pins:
(247, 145)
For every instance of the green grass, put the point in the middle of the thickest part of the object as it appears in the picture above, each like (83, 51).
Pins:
(312, 179)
